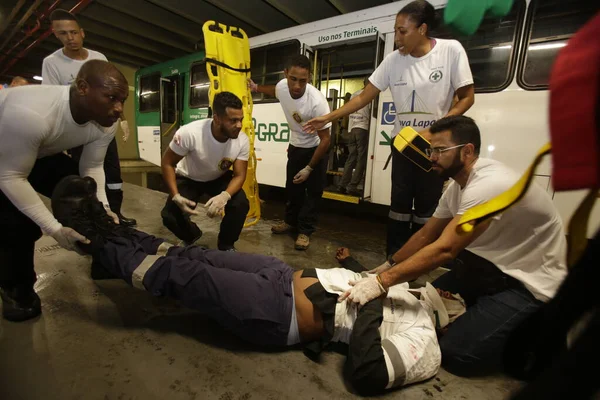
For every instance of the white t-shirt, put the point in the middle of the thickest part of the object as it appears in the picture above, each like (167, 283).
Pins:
(408, 337)
(58, 69)
(35, 122)
(299, 111)
(204, 158)
(423, 88)
(360, 118)
(526, 241)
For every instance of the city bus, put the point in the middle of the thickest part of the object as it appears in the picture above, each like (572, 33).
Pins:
(510, 58)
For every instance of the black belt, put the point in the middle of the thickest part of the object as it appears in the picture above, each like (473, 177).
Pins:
(222, 64)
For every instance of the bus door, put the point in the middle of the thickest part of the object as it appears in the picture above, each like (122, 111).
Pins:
(379, 55)
(170, 110)
(343, 66)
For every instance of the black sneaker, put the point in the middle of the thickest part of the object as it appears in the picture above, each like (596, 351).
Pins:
(20, 304)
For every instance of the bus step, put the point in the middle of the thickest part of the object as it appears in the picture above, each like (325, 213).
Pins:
(341, 197)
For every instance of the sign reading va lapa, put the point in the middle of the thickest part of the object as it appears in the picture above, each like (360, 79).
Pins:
(271, 132)
(348, 34)
(413, 112)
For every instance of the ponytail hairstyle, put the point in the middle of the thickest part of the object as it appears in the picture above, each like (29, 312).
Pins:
(421, 12)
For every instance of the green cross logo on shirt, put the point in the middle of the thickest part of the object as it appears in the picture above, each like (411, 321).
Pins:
(436, 76)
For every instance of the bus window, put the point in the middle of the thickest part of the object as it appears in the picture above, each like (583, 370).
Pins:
(268, 63)
(552, 23)
(490, 49)
(149, 93)
(199, 85)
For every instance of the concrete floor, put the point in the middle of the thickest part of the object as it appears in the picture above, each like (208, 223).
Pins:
(106, 340)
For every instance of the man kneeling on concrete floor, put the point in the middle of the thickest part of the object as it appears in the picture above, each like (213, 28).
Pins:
(505, 268)
(391, 340)
(198, 162)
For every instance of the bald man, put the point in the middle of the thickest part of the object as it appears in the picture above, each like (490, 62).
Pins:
(37, 123)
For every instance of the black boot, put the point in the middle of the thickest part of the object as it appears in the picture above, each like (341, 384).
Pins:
(115, 199)
(20, 304)
(126, 221)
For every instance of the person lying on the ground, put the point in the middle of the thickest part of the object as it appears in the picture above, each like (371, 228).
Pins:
(391, 340)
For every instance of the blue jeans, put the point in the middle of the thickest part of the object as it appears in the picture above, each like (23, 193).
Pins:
(474, 343)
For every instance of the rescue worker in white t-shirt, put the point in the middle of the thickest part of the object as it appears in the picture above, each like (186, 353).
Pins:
(358, 144)
(307, 153)
(198, 162)
(505, 268)
(424, 76)
(61, 68)
(38, 123)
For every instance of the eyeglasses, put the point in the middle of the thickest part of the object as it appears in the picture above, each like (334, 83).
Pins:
(439, 150)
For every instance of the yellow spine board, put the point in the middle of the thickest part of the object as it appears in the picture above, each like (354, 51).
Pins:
(229, 45)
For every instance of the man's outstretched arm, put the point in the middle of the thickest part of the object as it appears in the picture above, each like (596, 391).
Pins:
(266, 89)
(443, 250)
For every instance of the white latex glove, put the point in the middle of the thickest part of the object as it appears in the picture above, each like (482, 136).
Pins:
(216, 205)
(252, 86)
(67, 239)
(302, 175)
(125, 129)
(186, 205)
(381, 269)
(111, 214)
(363, 291)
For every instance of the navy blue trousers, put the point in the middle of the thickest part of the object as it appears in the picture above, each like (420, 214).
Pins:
(248, 294)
